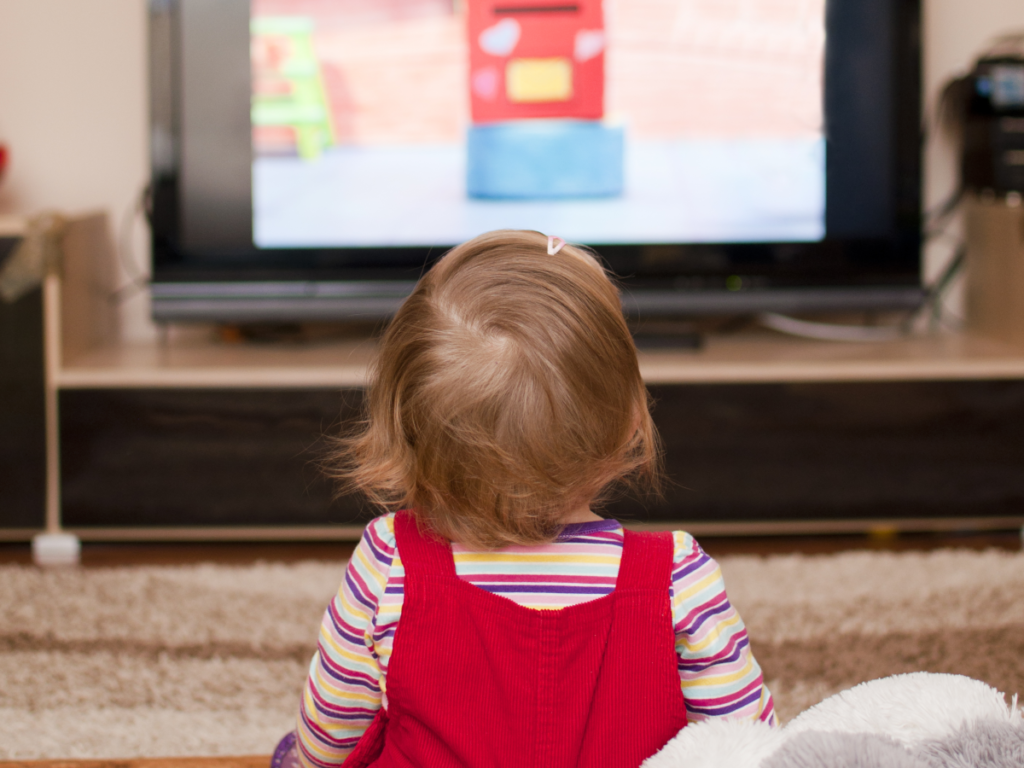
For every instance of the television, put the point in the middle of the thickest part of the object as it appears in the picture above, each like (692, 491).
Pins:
(311, 158)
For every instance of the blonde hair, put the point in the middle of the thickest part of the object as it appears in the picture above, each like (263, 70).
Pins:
(506, 392)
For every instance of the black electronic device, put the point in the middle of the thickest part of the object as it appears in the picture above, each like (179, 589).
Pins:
(993, 133)
(308, 159)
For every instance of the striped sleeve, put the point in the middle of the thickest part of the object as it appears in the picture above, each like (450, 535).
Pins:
(344, 689)
(718, 672)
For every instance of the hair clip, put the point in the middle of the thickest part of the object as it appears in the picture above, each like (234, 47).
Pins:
(554, 244)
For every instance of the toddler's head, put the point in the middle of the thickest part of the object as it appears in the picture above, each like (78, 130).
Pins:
(506, 393)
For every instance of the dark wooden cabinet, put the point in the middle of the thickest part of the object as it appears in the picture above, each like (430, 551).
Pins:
(765, 452)
(187, 435)
(22, 409)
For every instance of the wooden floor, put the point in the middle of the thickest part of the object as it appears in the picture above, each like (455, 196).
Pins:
(112, 555)
(247, 761)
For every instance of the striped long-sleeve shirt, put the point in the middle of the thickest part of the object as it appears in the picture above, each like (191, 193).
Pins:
(347, 681)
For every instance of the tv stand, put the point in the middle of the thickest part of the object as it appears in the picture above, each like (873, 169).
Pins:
(94, 378)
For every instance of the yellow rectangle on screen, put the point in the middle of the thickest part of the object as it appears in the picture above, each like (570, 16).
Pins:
(534, 80)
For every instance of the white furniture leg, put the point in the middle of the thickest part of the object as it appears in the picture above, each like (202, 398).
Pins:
(54, 546)
(51, 549)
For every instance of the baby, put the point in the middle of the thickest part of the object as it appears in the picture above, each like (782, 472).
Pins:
(497, 620)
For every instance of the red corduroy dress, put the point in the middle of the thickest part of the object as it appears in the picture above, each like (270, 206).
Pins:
(477, 680)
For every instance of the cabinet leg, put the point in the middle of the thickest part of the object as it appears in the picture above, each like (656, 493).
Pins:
(54, 546)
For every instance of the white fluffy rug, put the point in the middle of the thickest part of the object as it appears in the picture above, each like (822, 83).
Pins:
(209, 660)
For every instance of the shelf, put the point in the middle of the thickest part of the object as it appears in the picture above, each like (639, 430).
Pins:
(220, 365)
(751, 358)
(87, 352)
(767, 357)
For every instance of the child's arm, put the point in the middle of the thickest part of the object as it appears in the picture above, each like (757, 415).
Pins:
(718, 672)
(343, 690)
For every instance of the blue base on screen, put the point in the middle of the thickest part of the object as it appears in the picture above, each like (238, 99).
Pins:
(544, 159)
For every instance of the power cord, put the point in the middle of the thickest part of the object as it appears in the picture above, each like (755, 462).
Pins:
(933, 303)
(807, 329)
(866, 334)
(138, 280)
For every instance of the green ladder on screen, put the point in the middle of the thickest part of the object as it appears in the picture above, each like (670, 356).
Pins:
(305, 108)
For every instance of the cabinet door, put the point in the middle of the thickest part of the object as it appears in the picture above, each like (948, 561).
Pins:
(186, 457)
(750, 452)
(815, 451)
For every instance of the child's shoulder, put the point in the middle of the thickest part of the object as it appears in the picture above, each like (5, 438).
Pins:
(686, 547)
(379, 535)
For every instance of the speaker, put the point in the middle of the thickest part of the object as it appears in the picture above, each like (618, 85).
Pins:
(993, 149)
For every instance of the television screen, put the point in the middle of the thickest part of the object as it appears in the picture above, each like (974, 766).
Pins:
(425, 122)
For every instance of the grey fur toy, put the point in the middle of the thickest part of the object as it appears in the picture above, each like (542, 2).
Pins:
(917, 720)
(844, 750)
(984, 744)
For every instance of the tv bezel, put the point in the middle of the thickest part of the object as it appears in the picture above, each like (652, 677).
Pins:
(249, 284)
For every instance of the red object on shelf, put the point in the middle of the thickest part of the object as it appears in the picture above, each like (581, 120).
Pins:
(536, 59)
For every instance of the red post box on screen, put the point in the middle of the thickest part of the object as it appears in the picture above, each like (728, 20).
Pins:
(536, 59)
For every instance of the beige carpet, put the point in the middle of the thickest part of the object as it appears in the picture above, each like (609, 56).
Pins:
(209, 660)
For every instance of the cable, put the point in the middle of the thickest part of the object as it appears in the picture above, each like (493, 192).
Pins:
(830, 331)
(936, 221)
(138, 280)
(857, 333)
(942, 283)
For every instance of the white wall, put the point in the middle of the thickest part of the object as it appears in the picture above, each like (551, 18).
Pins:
(73, 112)
(73, 104)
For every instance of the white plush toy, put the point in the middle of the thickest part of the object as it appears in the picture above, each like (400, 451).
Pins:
(908, 708)
(919, 720)
(719, 744)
